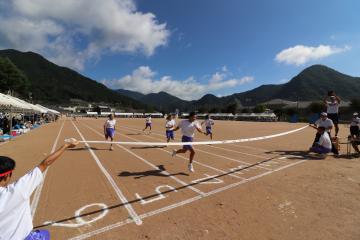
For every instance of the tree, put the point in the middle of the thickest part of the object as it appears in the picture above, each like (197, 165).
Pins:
(315, 107)
(355, 104)
(11, 78)
(259, 108)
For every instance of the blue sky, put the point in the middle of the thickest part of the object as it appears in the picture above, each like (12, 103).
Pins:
(186, 47)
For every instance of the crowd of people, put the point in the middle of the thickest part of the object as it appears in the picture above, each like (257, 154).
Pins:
(20, 123)
(324, 142)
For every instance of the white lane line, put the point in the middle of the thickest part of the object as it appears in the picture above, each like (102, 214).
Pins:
(217, 155)
(225, 149)
(36, 199)
(150, 164)
(179, 204)
(196, 162)
(120, 195)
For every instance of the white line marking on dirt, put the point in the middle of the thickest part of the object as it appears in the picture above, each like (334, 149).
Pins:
(79, 220)
(159, 197)
(119, 193)
(225, 149)
(151, 165)
(206, 179)
(36, 199)
(179, 204)
(196, 162)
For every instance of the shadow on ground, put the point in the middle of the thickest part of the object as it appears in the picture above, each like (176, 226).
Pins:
(157, 173)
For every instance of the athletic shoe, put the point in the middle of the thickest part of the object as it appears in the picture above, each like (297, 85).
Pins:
(191, 168)
(111, 148)
(173, 153)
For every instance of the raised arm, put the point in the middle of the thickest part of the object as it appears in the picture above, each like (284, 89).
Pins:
(338, 98)
(54, 156)
(325, 100)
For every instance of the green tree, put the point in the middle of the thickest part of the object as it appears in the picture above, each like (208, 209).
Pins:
(355, 104)
(11, 78)
(315, 107)
(259, 108)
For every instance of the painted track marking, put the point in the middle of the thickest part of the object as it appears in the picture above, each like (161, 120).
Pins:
(117, 190)
(36, 199)
(151, 165)
(179, 204)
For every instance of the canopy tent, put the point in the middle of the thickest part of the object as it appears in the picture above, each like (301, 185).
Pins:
(9, 102)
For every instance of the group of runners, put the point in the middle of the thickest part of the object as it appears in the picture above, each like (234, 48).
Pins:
(187, 127)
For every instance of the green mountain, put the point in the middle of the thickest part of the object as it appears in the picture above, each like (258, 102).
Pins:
(312, 84)
(50, 83)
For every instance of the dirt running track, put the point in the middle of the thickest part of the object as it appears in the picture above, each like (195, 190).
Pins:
(267, 189)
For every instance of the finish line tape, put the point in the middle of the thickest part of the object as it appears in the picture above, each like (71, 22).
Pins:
(193, 143)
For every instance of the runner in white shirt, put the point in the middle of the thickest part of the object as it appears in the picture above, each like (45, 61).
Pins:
(109, 129)
(148, 123)
(188, 128)
(15, 213)
(208, 125)
(333, 109)
(170, 125)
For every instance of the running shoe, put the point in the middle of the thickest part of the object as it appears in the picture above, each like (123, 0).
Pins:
(191, 167)
(173, 153)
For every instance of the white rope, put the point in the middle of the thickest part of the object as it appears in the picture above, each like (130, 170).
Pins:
(193, 143)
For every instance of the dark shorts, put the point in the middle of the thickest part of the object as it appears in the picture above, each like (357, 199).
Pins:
(109, 132)
(354, 130)
(208, 130)
(187, 139)
(170, 134)
(320, 150)
(38, 235)
(148, 125)
(334, 117)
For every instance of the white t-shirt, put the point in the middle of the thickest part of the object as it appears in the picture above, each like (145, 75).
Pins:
(325, 140)
(170, 124)
(110, 123)
(15, 213)
(332, 107)
(327, 123)
(355, 121)
(208, 122)
(188, 128)
(148, 120)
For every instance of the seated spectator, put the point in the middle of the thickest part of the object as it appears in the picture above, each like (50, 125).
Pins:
(354, 136)
(324, 145)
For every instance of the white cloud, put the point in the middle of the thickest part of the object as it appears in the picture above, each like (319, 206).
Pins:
(144, 80)
(73, 31)
(300, 54)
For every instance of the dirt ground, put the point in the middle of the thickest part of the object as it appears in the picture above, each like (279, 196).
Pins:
(267, 189)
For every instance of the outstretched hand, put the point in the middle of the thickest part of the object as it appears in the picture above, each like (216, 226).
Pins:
(71, 143)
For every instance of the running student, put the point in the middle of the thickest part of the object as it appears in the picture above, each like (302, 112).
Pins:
(208, 125)
(15, 213)
(148, 123)
(188, 127)
(109, 129)
(332, 109)
(170, 125)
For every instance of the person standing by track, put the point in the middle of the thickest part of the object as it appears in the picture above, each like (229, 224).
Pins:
(332, 109)
(15, 212)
